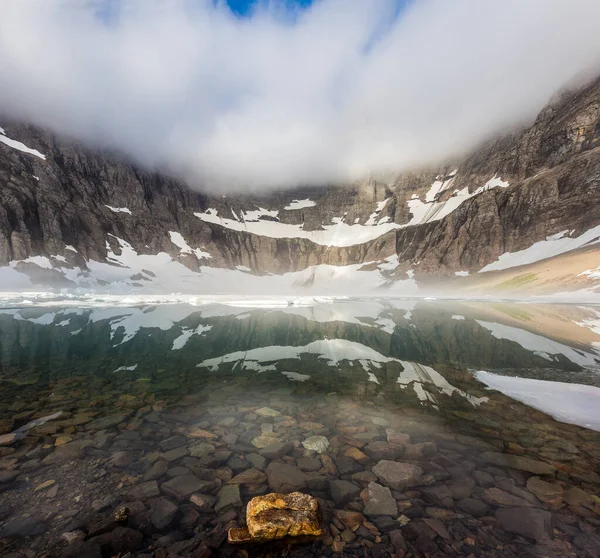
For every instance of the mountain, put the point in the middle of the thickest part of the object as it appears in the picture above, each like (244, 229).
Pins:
(520, 215)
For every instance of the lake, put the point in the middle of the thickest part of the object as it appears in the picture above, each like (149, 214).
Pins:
(440, 428)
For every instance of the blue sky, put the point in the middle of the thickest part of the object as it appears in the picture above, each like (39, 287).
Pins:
(244, 7)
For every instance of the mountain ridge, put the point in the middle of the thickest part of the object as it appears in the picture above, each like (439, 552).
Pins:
(68, 207)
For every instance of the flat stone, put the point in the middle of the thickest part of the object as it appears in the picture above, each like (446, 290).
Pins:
(316, 443)
(8, 439)
(577, 497)
(228, 497)
(250, 476)
(202, 433)
(396, 475)
(263, 441)
(8, 476)
(204, 502)
(500, 498)
(175, 454)
(347, 466)
(419, 452)
(257, 461)
(438, 495)
(163, 513)
(182, 486)
(357, 455)
(437, 526)
(157, 470)
(380, 501)
(528, 522)
(267, 412)
(105, 423)
(201, 449)
(545, 491)
(172, 442)
(382, 450)
(473, 507)
(310, 464)
(26, 527)
(144, 491)
(397, 438)
(518, 462)
(343, 491)
(285, 478)
(484, 479)
(276, 450)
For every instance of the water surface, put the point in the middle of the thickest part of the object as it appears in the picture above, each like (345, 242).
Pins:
(151, 394)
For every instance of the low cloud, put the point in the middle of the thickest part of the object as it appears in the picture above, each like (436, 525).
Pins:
(343, 89)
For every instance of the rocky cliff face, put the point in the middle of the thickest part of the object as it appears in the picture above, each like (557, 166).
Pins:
(71, 216)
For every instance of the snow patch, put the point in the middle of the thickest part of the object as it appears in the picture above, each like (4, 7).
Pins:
(20, 146)
(126, 368)
(118, 209)
(571, 403)
(458, 317)
(461, 273)
(554, 245)
(184, 247)
(300, 204)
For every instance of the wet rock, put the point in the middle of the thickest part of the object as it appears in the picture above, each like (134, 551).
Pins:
(276, 450)
(250, 476)
(343, 491)
(204, 502)
(397, 475)
(501, 498)
(461, 488)
(382, 450)
(316, 443)
(518, 462)
(397, 438)
(309, 464)
(118, 518)
(577, 497)
(285, 478)
(237, 464)
(171, 443)
(267, 412)
(380, 501)
(120, 459)
(347, 466)
(8, 476)
(545, 491)
(351, 519)
(275, 516)
(23, 527)
(82, 549)
(110, 421)
(483, 479)
(438, 495)
(157, 470)
(181, 487)
(527, 522)
(201, 449)
(228, 497)
(144, 491)
(175, 454)
(257, 461)
(177, 471)
(473, 507)
(357, 455)
(263, 441)
(419, 452)
(163, 512)
(119, 540)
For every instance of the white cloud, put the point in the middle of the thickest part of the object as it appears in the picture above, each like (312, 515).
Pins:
(265, 102)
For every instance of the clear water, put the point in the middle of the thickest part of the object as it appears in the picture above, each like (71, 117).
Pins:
(181, 384)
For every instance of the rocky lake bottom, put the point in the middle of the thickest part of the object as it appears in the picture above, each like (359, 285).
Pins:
(144, 431)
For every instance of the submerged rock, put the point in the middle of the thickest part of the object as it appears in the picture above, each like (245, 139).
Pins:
(275, 516)
(316, 443)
